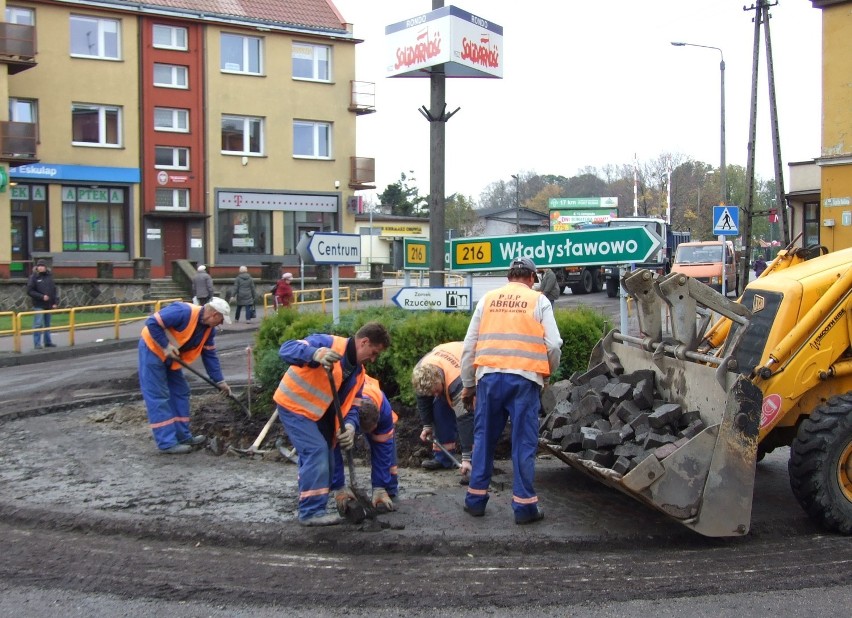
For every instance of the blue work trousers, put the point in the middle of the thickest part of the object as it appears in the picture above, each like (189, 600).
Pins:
(42, 320)
(502, 396)
(166, 395)
(445, 430)
(316, 462)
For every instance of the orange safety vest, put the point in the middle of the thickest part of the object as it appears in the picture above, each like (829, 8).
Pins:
(447, 357)
(509, 335)
(374, 392)
(180, 337)
(306, 391)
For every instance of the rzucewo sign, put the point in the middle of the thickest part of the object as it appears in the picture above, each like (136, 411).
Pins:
(622, 245)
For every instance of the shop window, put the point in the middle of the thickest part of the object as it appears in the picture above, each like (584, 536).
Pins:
(245, 231)
(94, 219)
(93, 37)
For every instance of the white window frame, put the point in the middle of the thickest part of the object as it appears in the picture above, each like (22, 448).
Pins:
(316, 126)
(246, 60)
(176, 158)
(246, 122)
(176, 199)
(176, 72)
(98, 37)
(14, 103)
(174, 36)
(20, 15)
(102, 125)
(179, 120)
(315, 61)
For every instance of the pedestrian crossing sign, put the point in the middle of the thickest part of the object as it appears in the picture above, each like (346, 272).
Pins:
(726, 220)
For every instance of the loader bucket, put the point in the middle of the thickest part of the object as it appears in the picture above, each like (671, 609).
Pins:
(707, 483)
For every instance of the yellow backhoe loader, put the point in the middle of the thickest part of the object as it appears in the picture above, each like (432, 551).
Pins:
(775, 370)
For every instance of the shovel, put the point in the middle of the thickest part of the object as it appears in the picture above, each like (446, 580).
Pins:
(465, 478)
(365, 508)
(211, 383)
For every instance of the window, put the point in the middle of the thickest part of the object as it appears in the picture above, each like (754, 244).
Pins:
(311, 62)
(23, 110)
(169, 37)
(169, 119)
(311, 139)
(95, 125)
(94, 219)
(170, 76)
(241, 54)
(811, 223)
(245, 231)
(242, 135)
(20, 15)
(93, 37)
(171, 199)
(168, 157)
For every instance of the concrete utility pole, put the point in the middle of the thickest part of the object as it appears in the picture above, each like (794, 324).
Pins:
(437, 116)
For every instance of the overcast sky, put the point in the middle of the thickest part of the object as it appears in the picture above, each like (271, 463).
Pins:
(590, 83)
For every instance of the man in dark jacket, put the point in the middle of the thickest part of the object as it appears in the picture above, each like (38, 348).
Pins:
(42, 290)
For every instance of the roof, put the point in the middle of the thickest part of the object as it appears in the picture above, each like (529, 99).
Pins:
(316, 14)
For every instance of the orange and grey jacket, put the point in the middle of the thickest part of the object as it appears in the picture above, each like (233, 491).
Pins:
(509, 335)
(176, 324)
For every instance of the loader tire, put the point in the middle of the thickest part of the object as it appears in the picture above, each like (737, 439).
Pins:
(821, 464)
(611, 288)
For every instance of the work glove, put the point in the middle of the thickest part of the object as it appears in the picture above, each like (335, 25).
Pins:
(469, 398)
(172, 351)
(346, 437)
(426, 434)
(224, 388)
(381, 499)
(326, 357)
(342, 498)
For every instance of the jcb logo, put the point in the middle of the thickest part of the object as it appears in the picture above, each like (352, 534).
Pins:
(758, 303)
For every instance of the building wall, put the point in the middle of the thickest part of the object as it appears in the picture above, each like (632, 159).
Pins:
(836, 159)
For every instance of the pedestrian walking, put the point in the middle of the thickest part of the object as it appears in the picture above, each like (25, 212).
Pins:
(759, 266)
(283, 291)
(511, 348)
(202, 286)
(184, 331)
(307, 412)
(244, 294)
(548, 285)
(42, 290)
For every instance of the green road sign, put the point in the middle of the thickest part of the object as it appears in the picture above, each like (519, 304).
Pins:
(617, 245)
(418, 253)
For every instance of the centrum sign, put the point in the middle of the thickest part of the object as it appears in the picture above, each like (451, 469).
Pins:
(575, 248)
(330, 248)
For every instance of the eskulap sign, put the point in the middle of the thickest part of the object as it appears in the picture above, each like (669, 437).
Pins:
(618, 245)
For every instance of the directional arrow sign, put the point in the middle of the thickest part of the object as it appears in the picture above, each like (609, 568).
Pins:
(434, 299)
(616, 245)
(329, 248)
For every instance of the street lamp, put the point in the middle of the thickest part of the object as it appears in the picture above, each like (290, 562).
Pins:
(722, 170)
(517, 204)
(723, 179)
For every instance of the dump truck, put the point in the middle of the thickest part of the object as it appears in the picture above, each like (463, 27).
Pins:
(775, 370)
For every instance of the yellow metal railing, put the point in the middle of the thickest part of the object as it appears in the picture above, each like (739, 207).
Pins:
(74, 325)
(312, 299)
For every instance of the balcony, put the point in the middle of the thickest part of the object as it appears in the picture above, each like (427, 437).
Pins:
(362, 97)
(362, 173)
(18, 142)
(17, 47)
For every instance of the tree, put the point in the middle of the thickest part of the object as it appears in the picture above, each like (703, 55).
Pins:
(460, 217)
(403, 199)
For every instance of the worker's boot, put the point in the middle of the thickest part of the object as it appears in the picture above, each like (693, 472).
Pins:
(195, 440)
(431, 464)
(329, 519)
(177, 449)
